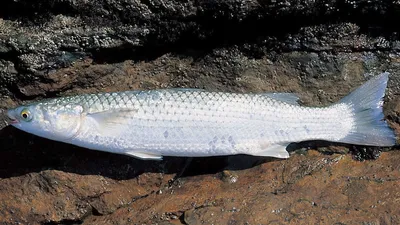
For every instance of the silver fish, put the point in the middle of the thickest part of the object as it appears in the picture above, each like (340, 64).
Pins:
(191, 122)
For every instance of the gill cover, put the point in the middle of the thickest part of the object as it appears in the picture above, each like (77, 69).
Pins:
(64, 122)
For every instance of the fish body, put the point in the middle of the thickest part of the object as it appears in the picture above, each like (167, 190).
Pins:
(192, 122)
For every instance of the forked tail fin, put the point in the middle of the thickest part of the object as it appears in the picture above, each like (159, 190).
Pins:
(366, 102)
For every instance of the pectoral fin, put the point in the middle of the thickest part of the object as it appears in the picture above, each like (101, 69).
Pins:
(142, 155)
(112, 122)
(116, 116)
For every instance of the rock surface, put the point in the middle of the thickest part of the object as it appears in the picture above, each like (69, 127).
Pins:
(318, 49)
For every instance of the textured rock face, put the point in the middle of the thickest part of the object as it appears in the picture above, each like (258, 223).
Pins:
(318, 49)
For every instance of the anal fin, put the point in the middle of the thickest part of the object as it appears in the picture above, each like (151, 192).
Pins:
(274, 150)
(142, 155)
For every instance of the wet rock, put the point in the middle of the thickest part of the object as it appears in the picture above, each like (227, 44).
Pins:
(318, 49)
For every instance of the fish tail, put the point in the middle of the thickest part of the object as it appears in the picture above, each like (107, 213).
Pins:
(366, 103)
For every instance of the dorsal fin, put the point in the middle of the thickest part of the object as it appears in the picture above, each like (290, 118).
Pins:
(185, 89)
(289, 98)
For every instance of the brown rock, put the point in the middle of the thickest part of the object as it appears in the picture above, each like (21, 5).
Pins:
(338, 190)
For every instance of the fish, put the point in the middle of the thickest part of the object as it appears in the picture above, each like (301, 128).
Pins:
(179, 122)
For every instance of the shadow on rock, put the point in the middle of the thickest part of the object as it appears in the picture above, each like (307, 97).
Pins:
(358, 152)
(23, 153)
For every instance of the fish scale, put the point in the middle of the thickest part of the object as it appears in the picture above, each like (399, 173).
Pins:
(150, 122)
(192, 122)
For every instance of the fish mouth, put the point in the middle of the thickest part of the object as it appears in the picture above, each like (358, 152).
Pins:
(13, 121)
(11, 118)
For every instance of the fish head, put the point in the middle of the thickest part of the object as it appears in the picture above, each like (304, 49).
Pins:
(49, 120)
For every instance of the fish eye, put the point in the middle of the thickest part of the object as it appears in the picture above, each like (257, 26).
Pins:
(26, 115)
